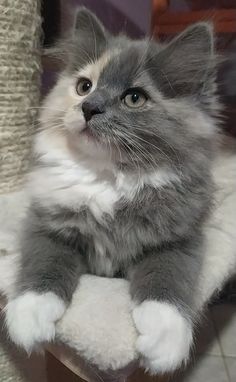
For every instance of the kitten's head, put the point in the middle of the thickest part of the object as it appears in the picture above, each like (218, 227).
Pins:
(136, 103)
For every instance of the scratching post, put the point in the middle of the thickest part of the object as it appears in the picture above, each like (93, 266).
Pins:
(20, 30)
(20, 26)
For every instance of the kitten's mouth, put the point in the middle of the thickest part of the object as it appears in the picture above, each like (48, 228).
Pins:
(88, 133)
(91, 134)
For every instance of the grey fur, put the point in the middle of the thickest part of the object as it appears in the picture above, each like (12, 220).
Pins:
(155, 239)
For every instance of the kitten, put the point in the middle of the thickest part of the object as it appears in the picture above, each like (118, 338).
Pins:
(121, 185)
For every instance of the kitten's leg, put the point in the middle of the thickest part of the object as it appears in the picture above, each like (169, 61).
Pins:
(48, 276)
(164, 287)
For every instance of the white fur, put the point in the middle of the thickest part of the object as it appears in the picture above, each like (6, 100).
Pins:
(81, 181)
(31, 318)
(220, 232)
(9, 266)
(12, 210)
(13, 207)
(165, 336)
(102, 265)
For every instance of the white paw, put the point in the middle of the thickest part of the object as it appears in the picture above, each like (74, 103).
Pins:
(31, 317)
(165, 336)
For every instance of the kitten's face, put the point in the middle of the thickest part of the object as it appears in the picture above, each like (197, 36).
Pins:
(132, 102)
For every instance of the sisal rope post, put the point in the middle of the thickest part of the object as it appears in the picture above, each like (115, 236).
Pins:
(20, 30)
(20, 68)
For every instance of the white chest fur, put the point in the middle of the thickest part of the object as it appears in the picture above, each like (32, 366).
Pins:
(74, 185)
(71, 183)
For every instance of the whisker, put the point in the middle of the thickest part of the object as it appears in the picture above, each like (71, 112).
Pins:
(50, 127)
(46, 108)
(166, 77)
(126, 146)
(49, 122)
(151, 133)
(149, 144)
(141, 61)
(136, 164)
(141, 151)
(142, 156)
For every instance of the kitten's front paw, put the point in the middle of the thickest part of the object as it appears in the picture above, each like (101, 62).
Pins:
(165, 336)
(31, 317)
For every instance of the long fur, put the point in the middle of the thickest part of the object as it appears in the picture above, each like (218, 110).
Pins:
(125, 192)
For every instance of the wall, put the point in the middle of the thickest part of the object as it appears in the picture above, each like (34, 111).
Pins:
(138, 11)
(128, 15)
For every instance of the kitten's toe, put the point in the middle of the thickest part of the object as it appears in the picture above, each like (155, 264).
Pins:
(31, 317)
(165, 336)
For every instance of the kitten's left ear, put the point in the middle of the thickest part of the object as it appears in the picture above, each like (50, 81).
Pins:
(87, 27)
(186, 66)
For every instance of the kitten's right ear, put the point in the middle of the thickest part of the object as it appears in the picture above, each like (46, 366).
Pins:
(85, 43)
(88, 27)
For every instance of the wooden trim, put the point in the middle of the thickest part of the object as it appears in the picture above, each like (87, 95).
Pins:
(168, 23)
(220, 27)
(194, 16)
(158, 7)
(57, 372)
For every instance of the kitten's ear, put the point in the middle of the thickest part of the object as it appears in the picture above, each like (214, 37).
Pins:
(85, 43)
(88, 27)
(187, 64)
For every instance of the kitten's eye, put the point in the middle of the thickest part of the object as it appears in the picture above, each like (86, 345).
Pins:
(83, 86)
(134, 98)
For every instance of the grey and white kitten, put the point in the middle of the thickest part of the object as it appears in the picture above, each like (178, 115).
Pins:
(122, 186)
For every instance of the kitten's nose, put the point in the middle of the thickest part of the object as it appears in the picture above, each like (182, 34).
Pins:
(90, 108)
